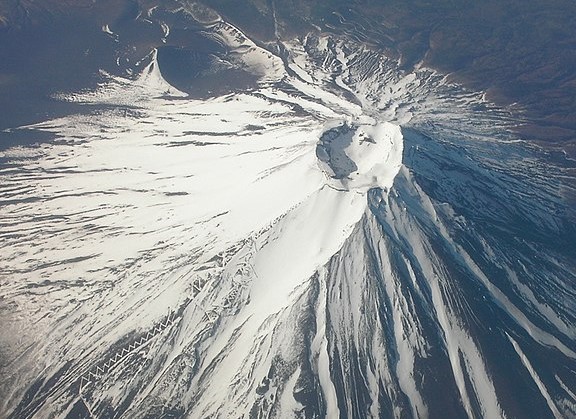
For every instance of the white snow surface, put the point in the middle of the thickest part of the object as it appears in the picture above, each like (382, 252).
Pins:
(160, 190)
(375, 151)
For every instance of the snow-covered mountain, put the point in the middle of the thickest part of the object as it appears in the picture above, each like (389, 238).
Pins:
(339, 238)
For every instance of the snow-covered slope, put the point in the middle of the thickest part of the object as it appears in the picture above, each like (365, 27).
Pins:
(343, 241)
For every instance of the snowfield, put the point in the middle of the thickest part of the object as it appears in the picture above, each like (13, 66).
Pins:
(172, 190)
(285, 251)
